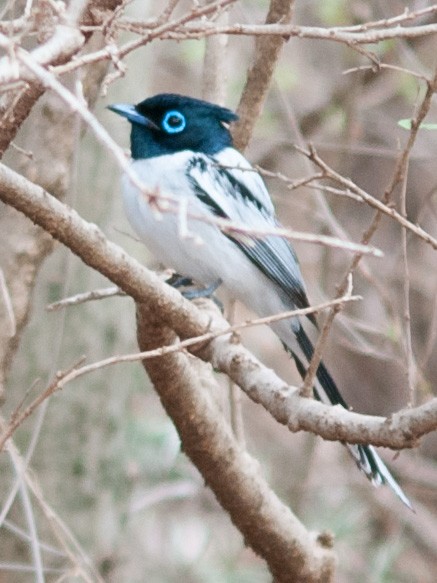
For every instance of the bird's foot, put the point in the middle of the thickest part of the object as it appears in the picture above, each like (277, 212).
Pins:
(179, 281)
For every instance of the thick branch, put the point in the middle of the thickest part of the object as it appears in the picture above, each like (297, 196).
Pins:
(262, 385)
(267, 50)
(268, 526)
(88, 242)
(65, 42)
(284, 403)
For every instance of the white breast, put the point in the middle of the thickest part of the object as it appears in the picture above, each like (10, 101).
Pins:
(162, 235)
(216, 257)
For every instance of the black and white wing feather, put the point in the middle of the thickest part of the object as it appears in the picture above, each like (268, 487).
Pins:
(227, 186)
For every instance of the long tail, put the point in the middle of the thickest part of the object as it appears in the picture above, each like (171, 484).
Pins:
(326, 391)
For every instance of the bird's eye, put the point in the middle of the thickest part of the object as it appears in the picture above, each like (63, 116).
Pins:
(173, 122)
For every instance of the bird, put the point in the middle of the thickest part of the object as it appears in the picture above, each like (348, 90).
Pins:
(182, 146)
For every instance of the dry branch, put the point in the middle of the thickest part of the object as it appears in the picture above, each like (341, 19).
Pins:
(267, 525)
(88, 242)
(185, 29)
(366, 197)
(398, 176)
(271, 529)
(259, 77)
(334, 34)
(51, 141)
(63, 377)
(65, 41)
(168, 202)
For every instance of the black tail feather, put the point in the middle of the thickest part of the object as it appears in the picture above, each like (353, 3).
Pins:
(323, 375)
(365, 456)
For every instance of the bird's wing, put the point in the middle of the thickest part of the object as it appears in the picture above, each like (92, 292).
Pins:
(238, 169)
(228, 194)
(241, 197)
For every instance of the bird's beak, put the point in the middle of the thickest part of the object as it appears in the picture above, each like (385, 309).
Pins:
(129, 112)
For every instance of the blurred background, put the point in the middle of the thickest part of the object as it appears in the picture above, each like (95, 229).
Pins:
(107, 458)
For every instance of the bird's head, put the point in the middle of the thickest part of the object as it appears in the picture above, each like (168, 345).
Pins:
(169, 123)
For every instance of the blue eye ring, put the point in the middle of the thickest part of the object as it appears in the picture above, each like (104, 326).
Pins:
(174, 122)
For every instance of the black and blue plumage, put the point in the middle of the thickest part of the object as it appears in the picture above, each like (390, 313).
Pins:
(182, 146)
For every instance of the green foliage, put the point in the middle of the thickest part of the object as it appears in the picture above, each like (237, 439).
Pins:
(406, 125)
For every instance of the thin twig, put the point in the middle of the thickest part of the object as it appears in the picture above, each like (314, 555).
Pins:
(334, 34)
(96, 294)
(7, 302)
(408, 343)
(236, 412)
(416, 122)
(398, 175)
(165, 202)
(64, 377)
(162, 31)
(31, 524)
(386, 66)
(380, 206)
(306, 389)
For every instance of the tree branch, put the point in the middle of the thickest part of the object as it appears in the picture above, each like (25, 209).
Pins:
(364, 196)
(267, 525)
(185, 29)
(51, 139)
(262, 385)
(259, 77)
(335, 34)
(63, 44)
